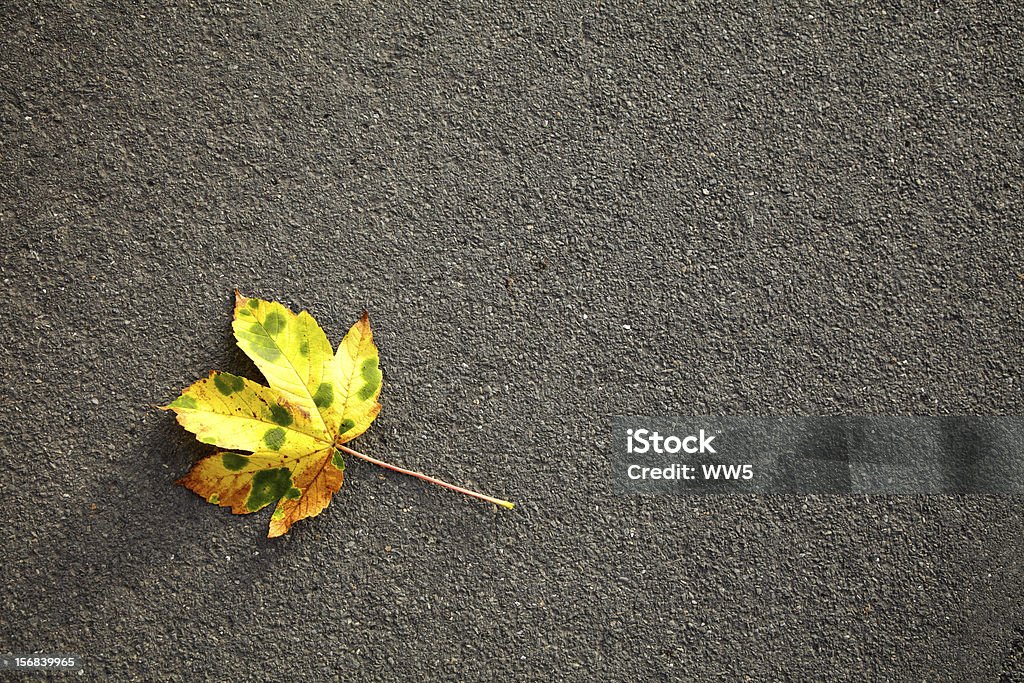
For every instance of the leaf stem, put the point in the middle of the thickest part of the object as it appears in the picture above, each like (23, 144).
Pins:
(419, 475)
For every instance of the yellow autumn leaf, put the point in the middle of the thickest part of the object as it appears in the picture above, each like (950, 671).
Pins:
(285, 443)
(316, 399)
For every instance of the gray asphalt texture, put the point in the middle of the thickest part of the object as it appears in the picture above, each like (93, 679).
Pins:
(553, 215)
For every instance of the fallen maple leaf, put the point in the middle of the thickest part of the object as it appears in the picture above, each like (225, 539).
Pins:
(294, 431)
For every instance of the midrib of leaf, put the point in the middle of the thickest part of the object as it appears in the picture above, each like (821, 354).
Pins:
(316, 437)
(346, 386)
(248, 403)
(323, 464)
(295, 371)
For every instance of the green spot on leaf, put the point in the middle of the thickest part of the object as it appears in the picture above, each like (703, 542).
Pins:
(280, 415)
(274, 438)
(324, 395)
(215, 498)
(228, 384)
(271, 353)
(268, 486)
(274, 323)
(345, 426)
(372, 375)
(304, 349)
(186, 402)
(293, 493)
(234, 461)
(253, 304)
(338, 460)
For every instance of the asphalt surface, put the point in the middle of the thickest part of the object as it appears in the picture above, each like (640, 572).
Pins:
(553, 216)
